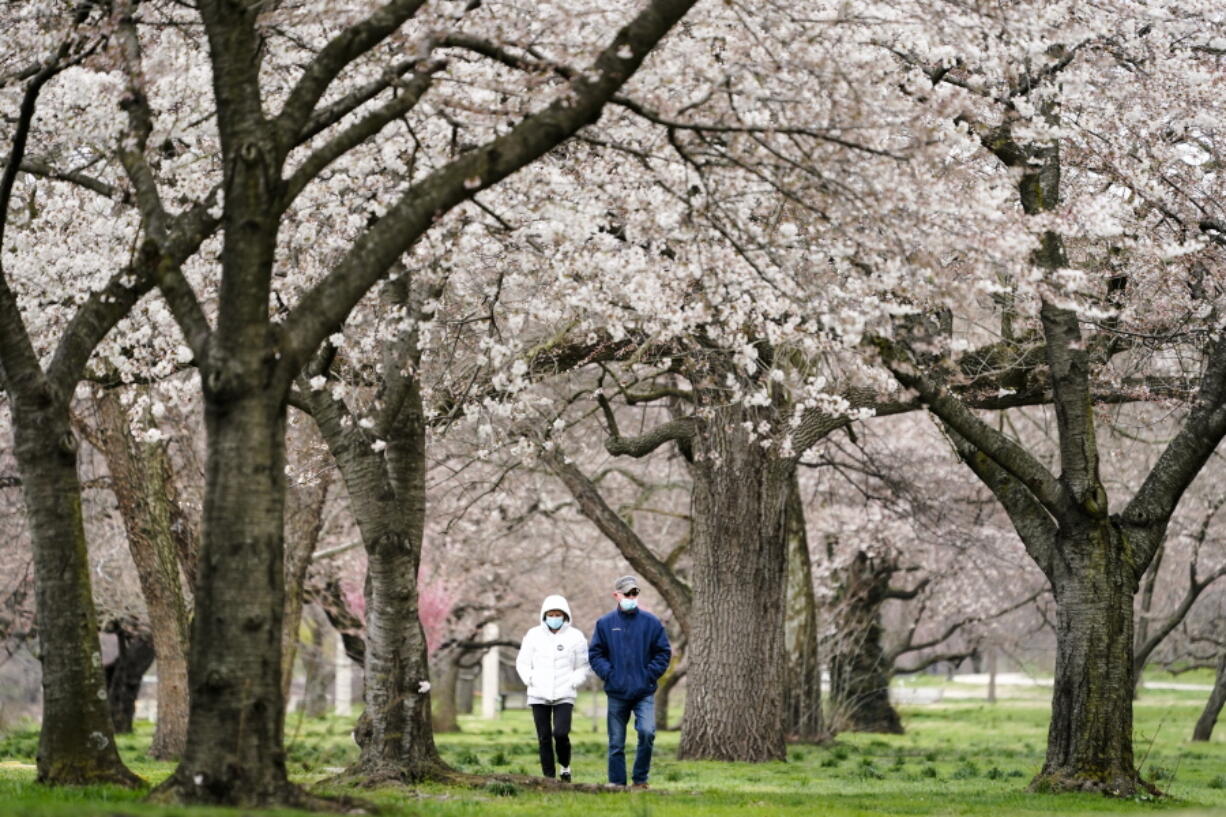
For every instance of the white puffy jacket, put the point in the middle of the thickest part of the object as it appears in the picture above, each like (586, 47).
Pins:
(552, 664)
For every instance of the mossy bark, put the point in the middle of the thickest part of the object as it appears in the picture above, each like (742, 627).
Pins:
(387, 492)
(1089, 741)
(77, 742)
(143, 484)
(234, 753)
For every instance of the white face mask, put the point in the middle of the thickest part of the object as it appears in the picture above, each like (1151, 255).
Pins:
(628, 604)
(554, 622)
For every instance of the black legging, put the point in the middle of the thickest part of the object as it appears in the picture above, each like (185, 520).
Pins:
(547, 735)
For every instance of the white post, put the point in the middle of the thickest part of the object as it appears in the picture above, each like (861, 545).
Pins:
(344, 679)
(490, 670)
(992, 675)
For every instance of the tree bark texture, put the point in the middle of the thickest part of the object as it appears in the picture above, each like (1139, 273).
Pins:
(234, 753)
(388, 499)
(124, 674)
(1213, 707)
(1093, 559)
(1148, 583)
(1089, 741)
(803, 689)
(734, 706)
(859, 677)
(77, 742)
(143, 484)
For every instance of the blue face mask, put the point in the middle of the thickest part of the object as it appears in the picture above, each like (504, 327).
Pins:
(554, 622)
(628, 604)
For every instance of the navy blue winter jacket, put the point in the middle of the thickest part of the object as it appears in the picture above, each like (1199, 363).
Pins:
(629, 651)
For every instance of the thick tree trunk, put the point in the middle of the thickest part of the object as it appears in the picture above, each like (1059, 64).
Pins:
(1213, 707)
(235, 754)
(1089, 742)
(77, 743)
(401, 740)
(859, 677)
(734, 703)
(124, 674)
(388, 496)
(142, 482)
(395, 736)
(804, 675)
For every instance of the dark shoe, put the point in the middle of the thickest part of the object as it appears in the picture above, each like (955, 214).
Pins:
(565, 777)
(639, 786)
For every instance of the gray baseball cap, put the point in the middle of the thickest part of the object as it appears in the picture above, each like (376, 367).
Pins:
(625, 583)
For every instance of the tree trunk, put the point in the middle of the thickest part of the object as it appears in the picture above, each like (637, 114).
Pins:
(1213, 707)
(804, 676)
(1089, 742)
(859, 677)
(77, 743)
(235, 753)
(667, 684)
(318, 661)
(443, 708)
(142, 482)
(304, 521)
(388, 498)
(734, 705)
(1146, 611)
(124, 674)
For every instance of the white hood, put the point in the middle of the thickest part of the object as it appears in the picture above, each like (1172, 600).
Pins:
(555, 602)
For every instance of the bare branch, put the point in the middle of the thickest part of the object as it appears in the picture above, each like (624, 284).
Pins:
(953, 628)
(1150, 510)
(1195, 589)
(907, 595)
(1004, 452)
(683, 428)
(1034, 525)
(675, 592)
(359, 132)
(140, 125)
(340, 51)
(330, 114)
(370, 256)
(38, 167)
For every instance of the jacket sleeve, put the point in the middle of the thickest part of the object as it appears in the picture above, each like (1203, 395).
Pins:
(661, 654)
(523, 661)
(598, 654)
(580, 673)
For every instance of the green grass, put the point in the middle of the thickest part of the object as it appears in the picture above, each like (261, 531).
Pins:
(956, 759)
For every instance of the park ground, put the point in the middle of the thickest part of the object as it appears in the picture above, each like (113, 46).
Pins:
(960, 756)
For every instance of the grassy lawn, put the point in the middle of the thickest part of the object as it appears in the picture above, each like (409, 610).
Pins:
(957, 758)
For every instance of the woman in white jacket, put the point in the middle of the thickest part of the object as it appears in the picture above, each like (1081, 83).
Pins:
(552, 663)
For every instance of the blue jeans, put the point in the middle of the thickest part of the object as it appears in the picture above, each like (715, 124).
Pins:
(644, 710)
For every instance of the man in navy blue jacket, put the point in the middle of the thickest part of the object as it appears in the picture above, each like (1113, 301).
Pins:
(629, 651)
